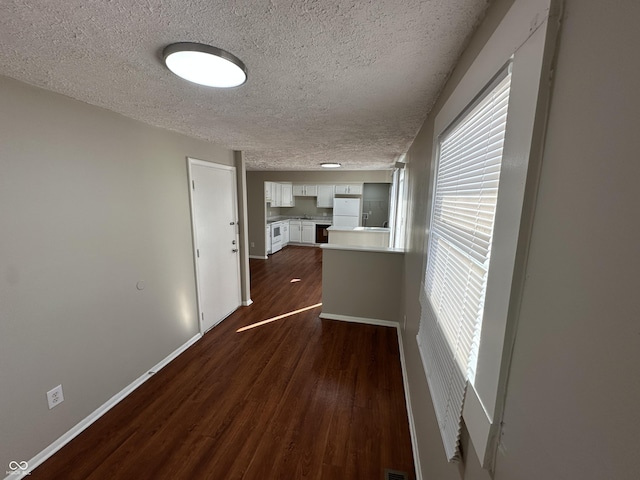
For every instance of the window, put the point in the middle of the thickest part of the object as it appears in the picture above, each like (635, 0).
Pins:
(491, 267)
(398, 209)
(462, 219)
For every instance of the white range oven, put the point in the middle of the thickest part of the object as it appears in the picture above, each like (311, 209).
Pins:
(276, 237)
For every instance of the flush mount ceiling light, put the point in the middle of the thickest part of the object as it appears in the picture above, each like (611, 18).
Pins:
(330, 165)
(205, 65)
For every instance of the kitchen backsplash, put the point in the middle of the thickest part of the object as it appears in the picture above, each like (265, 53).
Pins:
(303, 206)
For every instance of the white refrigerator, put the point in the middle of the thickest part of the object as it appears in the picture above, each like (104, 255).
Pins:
(346, 212)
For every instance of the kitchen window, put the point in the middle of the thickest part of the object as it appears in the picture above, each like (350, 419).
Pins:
(398, 208)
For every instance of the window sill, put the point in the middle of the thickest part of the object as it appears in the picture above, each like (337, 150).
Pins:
(479, 426)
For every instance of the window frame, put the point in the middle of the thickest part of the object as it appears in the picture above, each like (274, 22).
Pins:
(398, 209)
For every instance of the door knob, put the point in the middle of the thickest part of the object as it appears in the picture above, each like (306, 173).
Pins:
(235, 250)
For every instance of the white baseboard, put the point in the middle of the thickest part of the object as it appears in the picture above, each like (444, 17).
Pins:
(369, 321)
(407, 399)
(259, 257)
(246, 303)
(100, 411)
(405, 377)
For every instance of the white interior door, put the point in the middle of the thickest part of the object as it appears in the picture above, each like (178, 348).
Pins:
(216, 238)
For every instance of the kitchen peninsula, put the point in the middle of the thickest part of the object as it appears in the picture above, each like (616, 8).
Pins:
(359, 236)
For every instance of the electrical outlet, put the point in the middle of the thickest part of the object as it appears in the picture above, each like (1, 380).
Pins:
(253, 244)
(55, 396)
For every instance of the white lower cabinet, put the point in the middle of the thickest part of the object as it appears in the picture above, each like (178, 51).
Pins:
(308, 232)
(267, 240)
(299, 231)
(285, 233)
(295, 231)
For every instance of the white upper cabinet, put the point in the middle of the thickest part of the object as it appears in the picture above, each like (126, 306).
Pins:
(278, 194)
(349, 189)
(356, 189)
(325, 196)
(305, 190)
(268, 191)
(286, 199)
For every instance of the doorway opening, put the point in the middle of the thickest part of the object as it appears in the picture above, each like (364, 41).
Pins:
(375, 205)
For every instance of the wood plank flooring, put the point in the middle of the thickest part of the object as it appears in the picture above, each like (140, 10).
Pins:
(294, 398)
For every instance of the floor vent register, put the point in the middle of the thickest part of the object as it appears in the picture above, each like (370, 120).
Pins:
(395, 475)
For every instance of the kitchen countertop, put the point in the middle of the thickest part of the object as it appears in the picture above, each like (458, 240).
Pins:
(317, 220)
(359, 229)
(355, 248)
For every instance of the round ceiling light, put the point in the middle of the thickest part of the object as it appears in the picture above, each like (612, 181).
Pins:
(330, 165)
(205, 65)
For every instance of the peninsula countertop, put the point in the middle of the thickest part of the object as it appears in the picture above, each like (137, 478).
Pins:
(359, 229)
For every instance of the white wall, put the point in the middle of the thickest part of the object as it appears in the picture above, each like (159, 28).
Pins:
(90, 203)
(361, 283)
(571, 406)
(572, 403)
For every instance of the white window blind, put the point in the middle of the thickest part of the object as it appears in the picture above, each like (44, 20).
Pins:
(458, 254)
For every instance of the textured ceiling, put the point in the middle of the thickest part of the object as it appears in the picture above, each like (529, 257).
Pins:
(329, 80)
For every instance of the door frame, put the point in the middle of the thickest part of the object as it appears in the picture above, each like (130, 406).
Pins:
(194, 233)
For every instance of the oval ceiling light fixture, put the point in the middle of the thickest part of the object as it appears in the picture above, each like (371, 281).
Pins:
(330, 165)
(205, 65)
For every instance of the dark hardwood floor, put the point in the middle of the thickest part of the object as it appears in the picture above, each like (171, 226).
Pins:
(294, 398)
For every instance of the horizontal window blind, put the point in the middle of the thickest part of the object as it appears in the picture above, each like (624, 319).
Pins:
(458, 254)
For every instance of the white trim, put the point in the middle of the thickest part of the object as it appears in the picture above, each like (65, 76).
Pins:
(45, 454)
(368, 321)
(477, 421)
(522, 20)
(405, 376)
(259, 257)
(407, 399)
(246, 303)
(204, 163)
